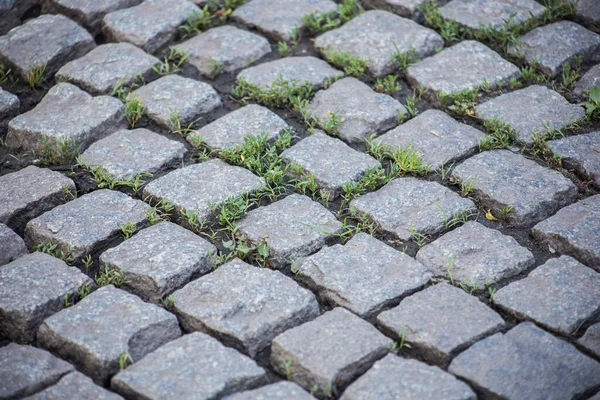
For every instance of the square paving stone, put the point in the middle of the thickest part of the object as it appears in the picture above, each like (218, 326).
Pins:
(94, 333)
(11, 245)
(475, 255)
(244, 306)
(68, 115)
(490, 13)
(404, 8)
(556, 45)
(574, 230)
(410, 204)
(87, 223)
(328, 352)
(464, 66)
(580, 152)
(174, 94)
(278, 19)
(49, 40)
(25, 370)
(100, 70)
(32, 288)
(194, 366)
(277, 391)
(330, 161)
(148, 25)
(419, 381)
(501, 178)
(440, 321)
(362, 110)
(293, 227)
(160, 259)
(195, 188)
(9, 108)
(376, 36)
(231, 129)
(127, 153)
(537, 365)
(559, 295)
(380, 275)
(224, 49)
(530, 110)
(590, 79)
(591, 339)
(30, 192)
(75, 385)
(439, 139)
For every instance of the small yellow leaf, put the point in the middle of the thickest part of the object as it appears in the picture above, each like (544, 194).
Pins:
(489, 216)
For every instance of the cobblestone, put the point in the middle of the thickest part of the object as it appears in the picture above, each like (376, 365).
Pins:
(276, 391)
(490, 13)
(404, 8)
(591, 339)
(581, 152)
(75, 385)
(9, 108)
(11, 245)
(588, 11)
(588, 81)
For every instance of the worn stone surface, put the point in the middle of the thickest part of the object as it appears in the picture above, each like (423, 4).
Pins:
(174, 94)
(380, 275)
(438, 138)
(9, 107)
(277, 391)
(478, 256)
(588, 11)
(11, 245)
(501, 178)
(87, 223)
(419, 381)
(231, 129)
(376, 36)
(591, 339)
(127, 153)
(75, 385)
(279, 19)
(330, 161)
(362, 110)
(464, 66)
(293, 227)
(147, 25)
(407, 204)
(556, 45)
(66, 114)
(193, 366)
(244, 306)
(224, 49)
(575, 231)
(25, 370)
(580, 152)
(590, 79)
(328, 352)
(527, 363)
(404, 8)
(110, 321)
(490, 13)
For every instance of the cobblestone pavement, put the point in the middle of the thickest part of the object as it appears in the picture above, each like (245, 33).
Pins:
(299, 199)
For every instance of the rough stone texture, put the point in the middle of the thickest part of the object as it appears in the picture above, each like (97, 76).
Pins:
(464, 66)
(330, 161)
(175, 94)
(530, 110)
(379, 276)
(75, 385)
(478, 256)
(419, 381)
(527, 363)
(299, 69)
(362, 110)
(438, 138)
(490, 13)
(11, 245)
(224, 49)
(25, 370)
(591, 339)
(277, 391)
(404, 8)
(588, 11)
(555, 45)
(12, 11)
(160, 259)
(244, 306)
(49, 40)
(108, 322)
(293, 227)
(100, 70)
(196, 187)
(85, 224)
(231, 129)
(279, 19)
(328, 352)
(9, 107)
(30, 192)
(407, 204)
(581, 152)
(194, 366)
(502, 178)
(588, 81)
(440, 321)
(66, 114)
(377, 35)
(148, 25)
(127, 153)
(574, 230)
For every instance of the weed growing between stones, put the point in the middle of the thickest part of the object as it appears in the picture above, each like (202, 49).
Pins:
(127, 229)
(404, 59)
(212, 14)
(104, 179)
(53, 250)
(286, 48)
(316, 23)
(592, 106)
(161, 211)
(354, 66)
(388, 85)
(461, 103)
(280, 93)
(122, 91)
(412, 100)
(171, 63)
(35, 75)
(134, 111)
(177, 126)
(87, 262)
(5, 74)
(125, 360)
(110, 276)
(332, 123)
(61, 152)
(570, 75)
(500, 135)
(84, 291)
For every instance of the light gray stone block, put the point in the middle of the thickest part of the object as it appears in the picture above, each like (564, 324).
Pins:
(75, 385)
(580, 152)
(590, 79)
(11, 245)
(283, 390)
(491, 13)
(591, 339)
(404, 8)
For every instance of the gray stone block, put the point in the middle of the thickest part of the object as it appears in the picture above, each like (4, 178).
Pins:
(194, 366)
(591, 339)
(11, 245)
(9, 107)
(404, 8)
(277, 391)
(590, 79)
(491, 13)
(588, 11)
(580, 152)
(12, 11)
(72, 386)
